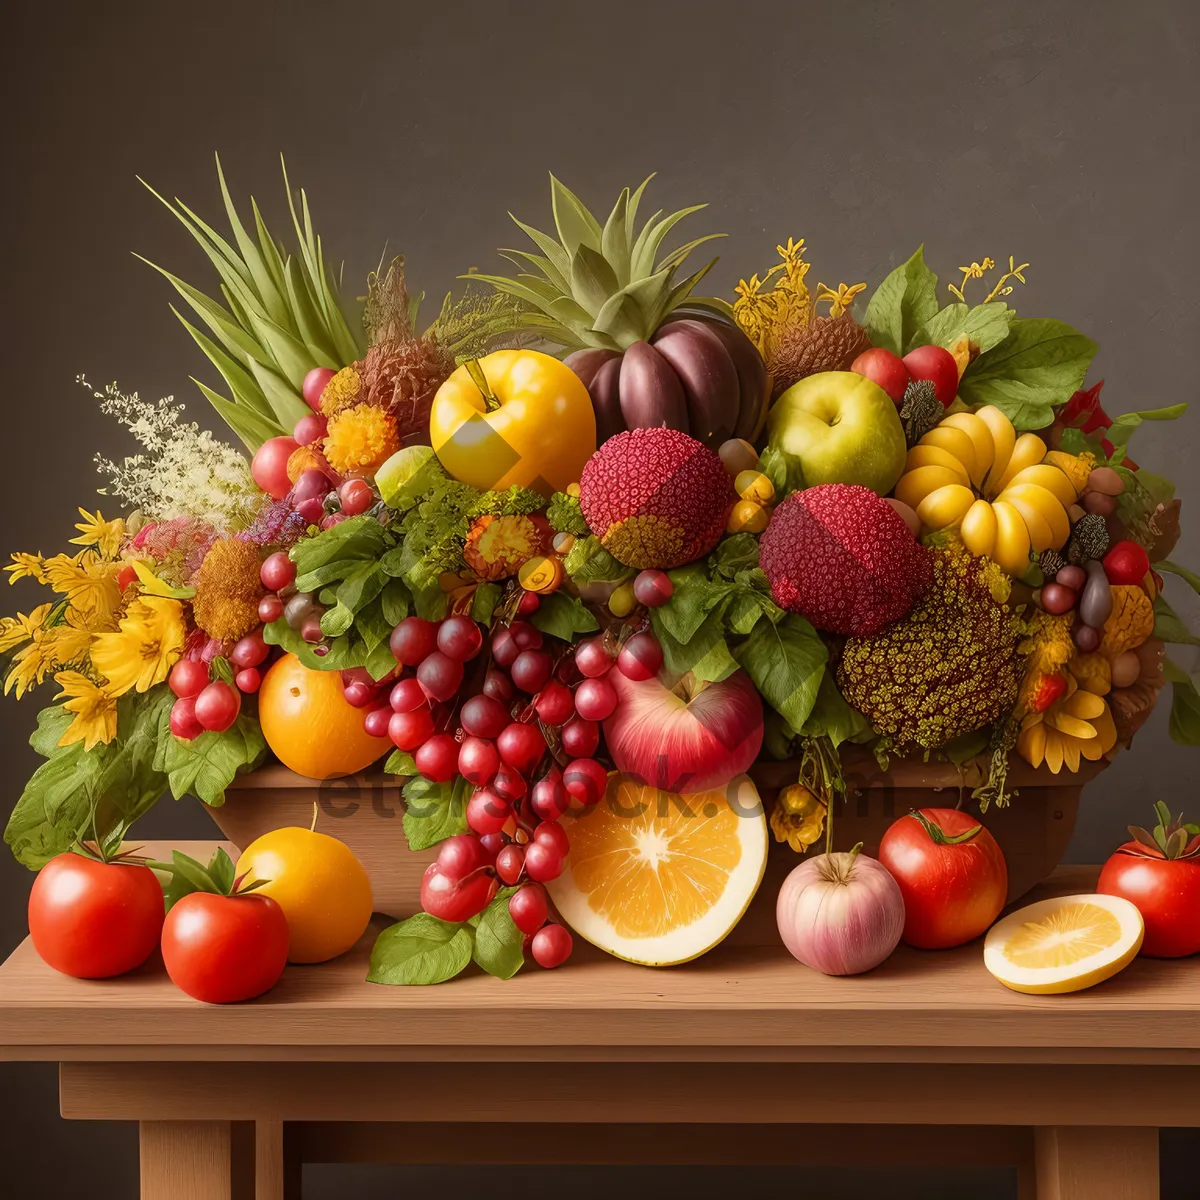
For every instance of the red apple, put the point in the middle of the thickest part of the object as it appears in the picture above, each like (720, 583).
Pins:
(886, 369)
(687, 738)
(936, 365)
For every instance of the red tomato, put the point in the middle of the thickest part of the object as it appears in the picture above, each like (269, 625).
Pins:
(1165, 891)
(93, 919)
(222, 949)
(953, 889)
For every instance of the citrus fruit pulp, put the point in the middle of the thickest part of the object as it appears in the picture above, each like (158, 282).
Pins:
(658, 878)
(1064, 944)
(320, 885)
(309, 725)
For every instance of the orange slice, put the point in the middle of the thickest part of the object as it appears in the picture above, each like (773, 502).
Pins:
(658, 878)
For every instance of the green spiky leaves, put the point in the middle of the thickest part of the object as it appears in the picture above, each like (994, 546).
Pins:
(282, 316)
(600, 286)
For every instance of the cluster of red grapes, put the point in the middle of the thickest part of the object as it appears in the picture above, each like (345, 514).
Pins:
(525, 737)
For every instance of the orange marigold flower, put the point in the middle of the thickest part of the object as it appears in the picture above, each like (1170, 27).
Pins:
(361, 438)
(497, 547)
(228, 590)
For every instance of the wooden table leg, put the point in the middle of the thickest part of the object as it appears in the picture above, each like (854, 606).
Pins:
(276, 1162)
(185, 1160)
(1077, 1162)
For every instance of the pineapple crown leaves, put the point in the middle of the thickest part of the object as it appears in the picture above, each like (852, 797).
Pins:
(601, 286)
(1171, 838)
(282, 315)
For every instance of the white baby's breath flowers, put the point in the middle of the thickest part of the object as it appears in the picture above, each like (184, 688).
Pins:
(182, 471)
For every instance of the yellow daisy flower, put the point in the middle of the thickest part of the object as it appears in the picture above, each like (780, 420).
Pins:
(45, 652)
(89, 583)
(18, 629)
(1077, 726)
(141, 654)
(94, 530)
(26, 566)
(95, 710)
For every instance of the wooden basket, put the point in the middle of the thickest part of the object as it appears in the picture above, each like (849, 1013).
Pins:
(365, 811)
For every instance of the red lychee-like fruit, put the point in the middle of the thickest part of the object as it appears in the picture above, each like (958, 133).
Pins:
(656, 497)
(842, 557)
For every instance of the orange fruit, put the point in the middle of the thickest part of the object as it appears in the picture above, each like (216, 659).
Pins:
(322, 888)
(659, 878)
(308, 724)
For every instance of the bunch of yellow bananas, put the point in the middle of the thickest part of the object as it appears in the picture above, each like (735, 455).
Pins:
(973, 471)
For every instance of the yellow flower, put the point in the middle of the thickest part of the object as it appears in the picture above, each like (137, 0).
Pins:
(95, 710)
(50, 647)
(341, 391)
(16, 630)
(89, 583)
(151, 638)
(840, 300)
(361, 438)
(26, 566)
(1077, 726)
(94, 530)
(798, 817)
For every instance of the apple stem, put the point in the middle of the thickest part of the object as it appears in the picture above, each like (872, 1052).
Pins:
(490, 402)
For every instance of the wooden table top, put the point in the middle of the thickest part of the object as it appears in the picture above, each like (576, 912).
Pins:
(745, 1000)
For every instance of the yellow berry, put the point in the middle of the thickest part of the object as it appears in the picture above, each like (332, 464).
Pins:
(563, 542)
(754, 485)
(622, 602)
(573, 490)
(748, 516)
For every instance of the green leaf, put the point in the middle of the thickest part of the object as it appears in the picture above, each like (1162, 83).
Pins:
(1184, 722)
(706, 654)
(901, 304)
(832, 717)
(1189, 577)
(434, 811)
(1123, 427)
(75, 793)
(396, 601)
(1169, 626)
(986, 325)
(651, 237)
(1037, 367)
(566, 516)
(563, 616)
(589, 562)
(576, 226)
(484, 601)
(499, 944)
(52, 723)
(786, 662)
(400, 762)
(359, 537)
(738, 552)
(251, 428)
(592, 279)
(614, 241)
(421, 950)
(208, 764)
(694, 599)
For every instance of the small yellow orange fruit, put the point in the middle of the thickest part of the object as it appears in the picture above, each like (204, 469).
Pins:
(748, 516)
(322, 888)
(754, 485)
(540, 574)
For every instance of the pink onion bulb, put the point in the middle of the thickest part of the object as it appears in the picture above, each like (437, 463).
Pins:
(840, 914)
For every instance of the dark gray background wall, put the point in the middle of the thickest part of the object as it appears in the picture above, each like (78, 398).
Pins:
(1059, 132)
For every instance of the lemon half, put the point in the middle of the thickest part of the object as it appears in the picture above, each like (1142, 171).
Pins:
(657, 878)
(1065, 944)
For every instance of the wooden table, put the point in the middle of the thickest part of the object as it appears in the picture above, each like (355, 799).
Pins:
(741, 1057)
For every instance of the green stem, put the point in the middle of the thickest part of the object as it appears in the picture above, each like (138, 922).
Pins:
(939, 835)
(490, 402)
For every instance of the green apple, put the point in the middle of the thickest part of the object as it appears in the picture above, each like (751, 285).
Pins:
(836, 427)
